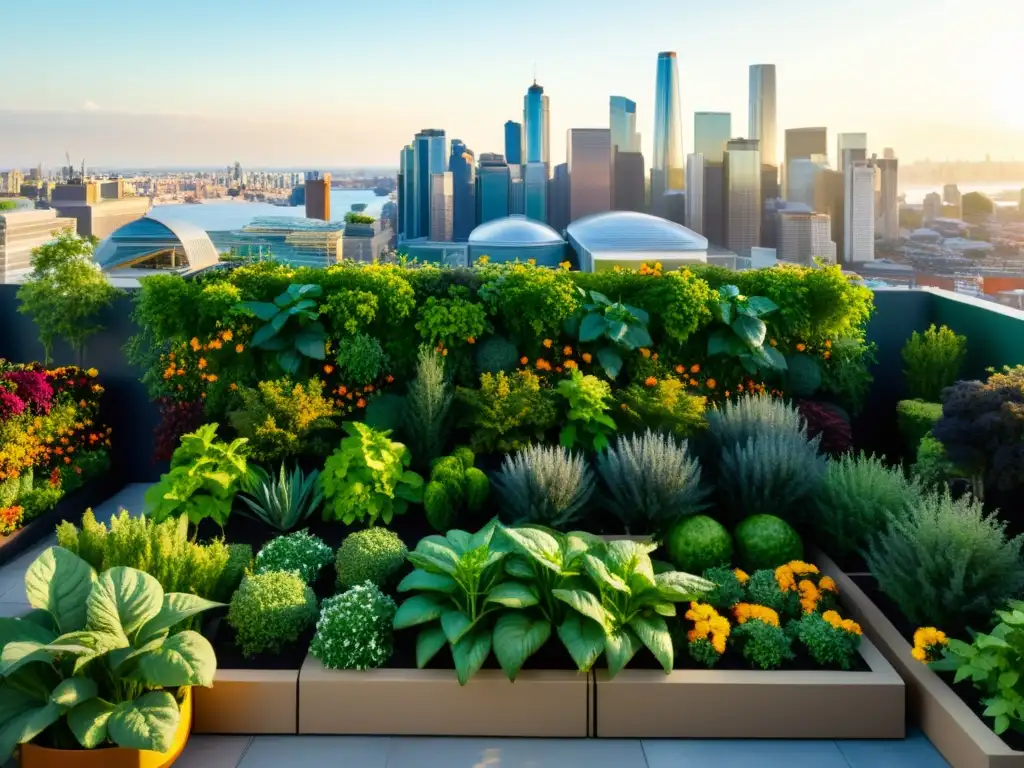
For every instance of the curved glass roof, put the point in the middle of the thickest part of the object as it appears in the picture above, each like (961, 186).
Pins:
(632, 231)
(143, 238)
(515, 230)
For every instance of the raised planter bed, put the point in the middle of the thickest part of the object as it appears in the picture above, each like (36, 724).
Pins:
(751, 704)
(430, 702)
(962, 737)
(70, 507)
(254, 701)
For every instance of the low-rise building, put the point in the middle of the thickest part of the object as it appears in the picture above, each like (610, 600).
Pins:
(23, 230)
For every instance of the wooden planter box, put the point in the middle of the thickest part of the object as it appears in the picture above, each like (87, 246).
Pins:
(259, 701)
(414, 702)
(962, 737)
(741, 704)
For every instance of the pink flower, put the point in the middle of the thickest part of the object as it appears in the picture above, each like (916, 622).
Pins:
(10, 405)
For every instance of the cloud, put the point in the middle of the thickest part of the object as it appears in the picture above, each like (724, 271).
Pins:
(90, 106)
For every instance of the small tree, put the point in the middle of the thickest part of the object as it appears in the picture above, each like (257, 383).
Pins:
(975, 205)
(64, 292)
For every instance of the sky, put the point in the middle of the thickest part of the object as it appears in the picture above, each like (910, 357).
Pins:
(329, 83)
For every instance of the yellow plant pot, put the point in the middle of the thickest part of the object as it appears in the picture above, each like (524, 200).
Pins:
(32, 756)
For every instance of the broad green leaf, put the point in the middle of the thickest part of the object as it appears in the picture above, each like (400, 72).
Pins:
(88, 721)
(722, 341)
(434, 554)
(427, 582)
(773, 358)
(289, 360)
(762, 305)
(513, 594)
(599, 298)
(280, 320)
(610, 360)
(25, 726)
(17, 655)
(311, 344)
(148, 722)
(59, 582)
(616, 330)
(455, 624)
(723, 311)
(184, 658)
(628, 558)
(429, 641)
(518, 567)
(636, 337)
(728, 291)
(619, 647)
(584, 602)
(592, 327)
(542, 547)
(276, 343)
(418, 609)
(600, 573)
(262, 309)
(470, 653)
(653, 632)
(517, 636)
(677, 586)
(123, 600)
(640, 314)
(665, 609)
(74, 691)
(264, 334)
(567, 437)
(583, 639)
(40, 618)
(750, 329)
(14, 701)
(177, 607)
(19, 630)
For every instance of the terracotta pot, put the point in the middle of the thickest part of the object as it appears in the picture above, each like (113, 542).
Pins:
(33, 756)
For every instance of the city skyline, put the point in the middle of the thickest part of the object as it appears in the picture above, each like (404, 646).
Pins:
(237, 96)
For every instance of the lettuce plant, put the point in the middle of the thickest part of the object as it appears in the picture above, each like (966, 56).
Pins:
(205, 475)
(100, 654)
(366, 479)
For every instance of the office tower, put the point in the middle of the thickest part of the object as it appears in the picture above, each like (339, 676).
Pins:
(931, 209)
(711, 132)
(407, 221)
(431, 156)
(804, 180)
(860, 230)
(804, 237)
(537, 125)
(513, 142)
(742, 196)
(590, 177)
(492, 187)
(516, 195)
(630, 184)
(558, 198)
(667, 171)
(462, 165)
(714, 203)
(695, 192)
(11, 181)
(850, 148)
(888, 214)
(536, 190)
(762, 112)
(442, 207)
(622, 120)
(803, 142)
(951, 194)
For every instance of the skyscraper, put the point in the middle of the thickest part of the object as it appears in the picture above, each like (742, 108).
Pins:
(558, 198)
(805, 180)
(462, 165)
(714, 202)
(803, 142)
(590, 178)
(742, 195)
(931, 208)
(860, 231)
(695, 192)
(622, 120)
(407, 194)
(667, 171)
(492, 187)
(513, 142)
(629, 180)
(888, 214)
(537, 125)
(318, 196)
(762, 112)
(850, 148)
(804, 237)
(442, 207)
(431, 156)
(536, 186)
(516, 195)
(711, 132)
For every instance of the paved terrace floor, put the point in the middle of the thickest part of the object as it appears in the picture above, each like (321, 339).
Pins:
(405, 752)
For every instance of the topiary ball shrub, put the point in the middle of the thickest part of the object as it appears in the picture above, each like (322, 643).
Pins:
(373, 555)
(698, 543)
(271, 610)
(767, 541)
(354, 630)
(300, 552)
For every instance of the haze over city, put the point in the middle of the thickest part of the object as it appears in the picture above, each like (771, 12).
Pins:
(328, 84)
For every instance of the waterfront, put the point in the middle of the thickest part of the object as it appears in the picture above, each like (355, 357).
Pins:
(915, 193)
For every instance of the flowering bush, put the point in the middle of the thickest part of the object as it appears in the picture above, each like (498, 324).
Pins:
(300, 552)
(354, 629)
(706, 641)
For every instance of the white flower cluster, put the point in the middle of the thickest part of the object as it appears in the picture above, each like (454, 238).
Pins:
(300, 552)
(354, 629)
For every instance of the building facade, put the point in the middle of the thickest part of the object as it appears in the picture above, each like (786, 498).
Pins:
(762, 112)
(742, 196)
(514, 142)
(462, 166)
(11, 181)
(630, 182)
(98, 207)
(366, 242)
(492, 188)
(667, 170)
(850, 148)
(558, 197)
(695, 192)
(931, 208)
(803, 142)
(714, 203)
(537, 125)
(860, 232)
(24, 230)
(535, 183)
(442, 207)
(711, 132)
(407, 211)
(888, 214)
(622, 121)
(318, 196)
(804, 237)
(431, 149)
(590, 182)
(805, 175)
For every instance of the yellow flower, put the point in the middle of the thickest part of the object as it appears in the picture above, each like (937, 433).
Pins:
(741, 576)
(483, 260)
(772, 342)
(233, 386)
(227, 335)
(919, 653)
(202, 363)
(828, 344)
(828, 584)
(93, 373)
(827, 355)
(745, 612)
(784, 578)
(847, 625)
(444, 353)
(645, 352)
(565, 264)
(741, 297)
(809, 595)
(532, 262)
(926, 636)
(211, 378)
(801, 568)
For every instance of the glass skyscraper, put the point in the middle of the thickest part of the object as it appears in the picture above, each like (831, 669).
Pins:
(590, 171)
(667, 172)
(762, 112)
(742, 196)
(536, 183)
(462, 165)
(431, 156)
(537, 125)
(711, 132)
(492, 188)
(407, 216)
(514, 142)
(622, 119)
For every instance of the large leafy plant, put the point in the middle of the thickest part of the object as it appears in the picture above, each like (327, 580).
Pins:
(366, 478)
(621, 327)
(100, 654)
(205, 475)
(291, 326)
(741, 332)
(589, 399)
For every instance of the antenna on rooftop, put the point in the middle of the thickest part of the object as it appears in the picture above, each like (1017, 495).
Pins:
(535, 73)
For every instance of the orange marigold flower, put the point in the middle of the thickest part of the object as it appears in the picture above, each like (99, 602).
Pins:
(809, 595)
(368, 388)
(711, 383)
(801, 347)
(693, 382)
(827, 355)
(389, 379)
(211, 378)
(444, 353)
(233, 386)
(695, 368)
(728, 393)
(67, 459)
(741, 576)
(194, 343)
(587, 357)
(328, 369)
(471, 340)
(650, 381)
(202, 363)
(360, 403)
(828, 584)
(547, 343)
(772, 342)
(566, 350)
(523, 360)
(680, 369)
(828, 344)
(227, 335)
(215, 344)
(645, 352)
(239, 348)
(203, 395)
(82, 403)
(654, 356)
(558, 369)
(342, 390)
(570, 365)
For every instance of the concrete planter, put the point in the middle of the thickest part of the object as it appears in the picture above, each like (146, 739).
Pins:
(414, 702)
(259, 701)
(740, 704)
(962, 737)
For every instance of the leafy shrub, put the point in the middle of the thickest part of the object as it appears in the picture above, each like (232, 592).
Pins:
(916, 418)
(291, 328)
(667, 405)
(803, 375)
(176, 420)
(270, 611)
(740, 333)
(830, 640)
(373, 555)
(530, 302)
(763, 643)
(589, 400)
(763, 589)
(350, 311)
(826, 422)
(856, 497)
(933, 360)
(617, 326)
(366, 479)
(933, 468)
(386, 412)
(847, 376)
(766, 541)
(239, 563)
(361, 360)
(946, 563)
(285, 501)
(698, 543)
(544, 484)
(39, 500)
(427, 406)
(279, 417)
(354, 629)
(455, 486)
(496, 354)
(736, 421)
(300, 552)
(33, 388)
(728, 590)
(507, 412)
(651, 482)
(451, 322)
